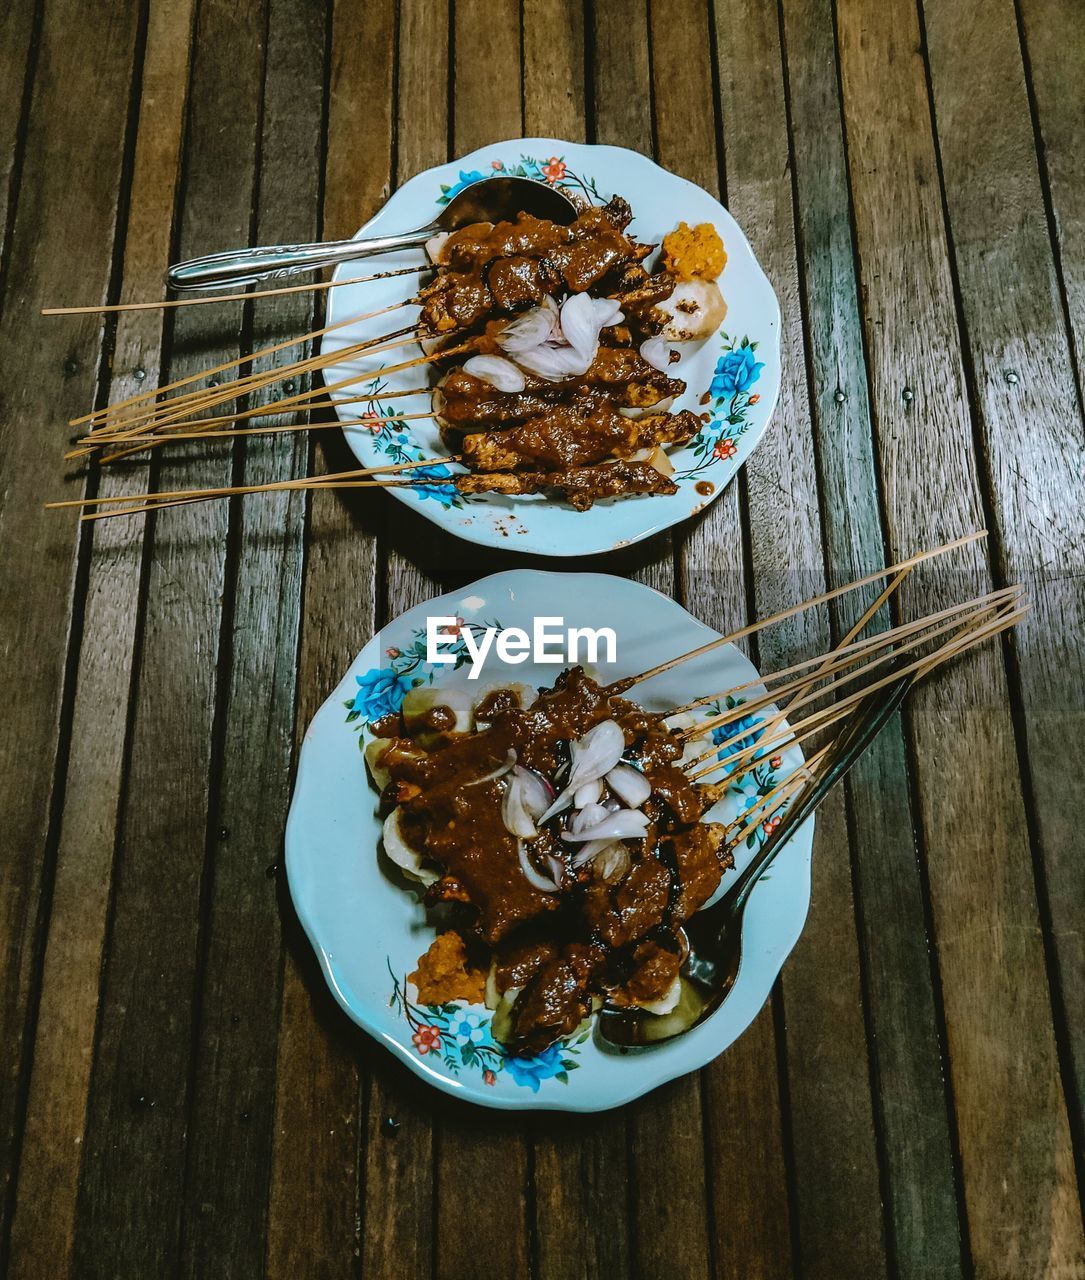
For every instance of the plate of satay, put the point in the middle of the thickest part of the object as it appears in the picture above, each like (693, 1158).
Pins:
(481, 853)
(505, 823)
(557, 388)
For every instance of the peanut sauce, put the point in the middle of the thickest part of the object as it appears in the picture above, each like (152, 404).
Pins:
(591, 937)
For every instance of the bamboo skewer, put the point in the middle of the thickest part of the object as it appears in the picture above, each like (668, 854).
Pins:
(153, 393)
(849, 655)
(184, 406)
(620, 686)
(234, 391)
(170, 303)
(197, 494)
(233, 433)
(272, 409)
(968, 636)
(300, 398)
(778, 798)
(983, 606)
(739, 761)
(847, 639)
(847, 645)
(1003, 624)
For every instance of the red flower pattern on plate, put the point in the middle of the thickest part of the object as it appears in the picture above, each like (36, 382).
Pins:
(488, 1077)
(554, 169)
(725, 449)
(427, 1040)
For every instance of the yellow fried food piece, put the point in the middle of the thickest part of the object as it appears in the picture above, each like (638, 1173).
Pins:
(691, 253)
(443, 975)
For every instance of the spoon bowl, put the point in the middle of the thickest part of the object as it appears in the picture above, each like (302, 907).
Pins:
(714, 935)
(496, 199)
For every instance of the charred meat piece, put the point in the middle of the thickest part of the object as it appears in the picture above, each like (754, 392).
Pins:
(553, 952)
(580, 487)
(475, 246)
(573, 435)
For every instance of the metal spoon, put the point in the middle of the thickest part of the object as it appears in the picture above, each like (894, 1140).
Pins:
(490, 200)
(715, 934)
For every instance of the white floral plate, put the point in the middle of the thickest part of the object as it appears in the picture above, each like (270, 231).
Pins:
(739, 368)
(369, 929)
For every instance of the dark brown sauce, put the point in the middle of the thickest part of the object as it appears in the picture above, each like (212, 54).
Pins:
(591, 937)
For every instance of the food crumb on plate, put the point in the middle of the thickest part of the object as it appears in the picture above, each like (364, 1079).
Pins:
(443, 974)
(694, 252)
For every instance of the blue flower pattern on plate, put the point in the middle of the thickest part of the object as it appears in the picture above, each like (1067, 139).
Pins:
(380, 691)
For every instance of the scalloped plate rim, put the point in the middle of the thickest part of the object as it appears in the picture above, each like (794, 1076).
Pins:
(481, 531)
(672, 1066)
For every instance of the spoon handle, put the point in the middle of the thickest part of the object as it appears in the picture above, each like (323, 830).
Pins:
(857, 735)
(273, 262)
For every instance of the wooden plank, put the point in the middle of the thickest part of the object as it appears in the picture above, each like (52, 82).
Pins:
(578, 1160)
(494, 1149)
(910, 1104)
(1010, 1115)
(397, 1154)
(55, 381)
(554, 88)
(621, 116)
(742, 1155)
(1033, 445)
(18, 50)
(313, 1223)
(130, 1204)
(1053, 35)
(226, 1202)
(42, 1229)
(836, 1182)
(671, 1232)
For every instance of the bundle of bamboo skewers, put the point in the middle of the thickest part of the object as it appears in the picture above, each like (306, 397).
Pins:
(839, 681)
(184, 411)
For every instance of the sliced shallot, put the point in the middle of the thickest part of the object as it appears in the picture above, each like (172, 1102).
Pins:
(589, 793)
(497, 371)
(535, 878)
(580, 325)
(656, 352)
(593, 755)
(629, 784)
(499, 772)
(531, 329)
(626, 824)
(525, 798)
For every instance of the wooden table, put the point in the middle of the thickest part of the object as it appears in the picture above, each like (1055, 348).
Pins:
(179, 1094)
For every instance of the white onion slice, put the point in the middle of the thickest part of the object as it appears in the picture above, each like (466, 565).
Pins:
(626, 824)
(589, 793)
(555, 363)
(556, 866)
(629, 784)
(525, 798)
(580, 326)
(656, 352)
(402, 854)
(499, 772)
(590, 816)
(608, 311)
(535, 878)
(531, 329)
(593, 755)
(497, 371)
